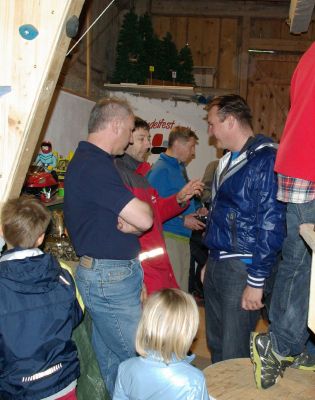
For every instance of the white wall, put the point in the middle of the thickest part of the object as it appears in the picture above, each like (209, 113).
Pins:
(69, 119)
(68, 122)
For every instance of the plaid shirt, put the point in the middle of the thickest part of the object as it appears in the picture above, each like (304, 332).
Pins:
(295, 190)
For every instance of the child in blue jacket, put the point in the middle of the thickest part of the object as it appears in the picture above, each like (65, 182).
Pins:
(38, 312)
(166, 330)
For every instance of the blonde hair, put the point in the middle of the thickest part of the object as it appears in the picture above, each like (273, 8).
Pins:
(168, 324)
(23, 221)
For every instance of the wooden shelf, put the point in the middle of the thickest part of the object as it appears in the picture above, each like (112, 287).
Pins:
(185, 93)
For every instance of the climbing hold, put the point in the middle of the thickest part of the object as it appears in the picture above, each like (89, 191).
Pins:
(72, 26)
(28, 32)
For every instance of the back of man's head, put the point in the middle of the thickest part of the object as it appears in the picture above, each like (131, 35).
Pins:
(23, 221)
(235, 105)
(181, 133)
(105, 111)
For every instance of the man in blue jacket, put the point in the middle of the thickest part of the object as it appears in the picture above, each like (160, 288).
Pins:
(245, 230)
(168, 176)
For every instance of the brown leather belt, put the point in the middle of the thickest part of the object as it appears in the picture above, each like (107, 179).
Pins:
(86, 261)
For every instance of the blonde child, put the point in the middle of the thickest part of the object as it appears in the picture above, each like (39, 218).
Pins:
(39, 310)
(166, 330)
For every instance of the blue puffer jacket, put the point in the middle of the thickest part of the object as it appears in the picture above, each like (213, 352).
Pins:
(246, 220)
(37, 315)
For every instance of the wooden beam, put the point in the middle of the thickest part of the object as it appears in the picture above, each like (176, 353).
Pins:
(233, 8)
(88, 54)
(31, 68)
(244, 58)
(296, 46)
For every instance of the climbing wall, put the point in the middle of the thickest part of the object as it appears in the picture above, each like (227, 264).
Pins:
(33, 45)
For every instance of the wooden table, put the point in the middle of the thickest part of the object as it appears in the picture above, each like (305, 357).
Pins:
(234, 380)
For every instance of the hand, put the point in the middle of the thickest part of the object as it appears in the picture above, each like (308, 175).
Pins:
(202, 211)
(125, 227)
(251, 299)
(192, 188)
(191, 222)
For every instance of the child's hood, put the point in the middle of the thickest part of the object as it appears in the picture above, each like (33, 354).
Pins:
(29, 271)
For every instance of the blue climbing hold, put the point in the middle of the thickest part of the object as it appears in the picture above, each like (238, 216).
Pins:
(28, 31)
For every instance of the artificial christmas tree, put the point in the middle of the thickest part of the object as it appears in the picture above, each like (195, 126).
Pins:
(129, 49)
(141, 55)
(185, 68)
(150, 45)
(167, 58)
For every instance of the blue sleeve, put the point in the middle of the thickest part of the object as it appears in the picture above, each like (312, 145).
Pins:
(77, 313)
(270, 220)
(76, 310)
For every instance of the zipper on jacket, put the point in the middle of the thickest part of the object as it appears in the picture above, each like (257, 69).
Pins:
(233, 229)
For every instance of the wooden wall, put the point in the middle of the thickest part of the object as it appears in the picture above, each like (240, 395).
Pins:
(220, 35)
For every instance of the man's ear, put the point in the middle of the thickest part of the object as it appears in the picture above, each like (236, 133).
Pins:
(1, 230)
(231, 121)
(115, 125)
(131, 141)
(40, 240)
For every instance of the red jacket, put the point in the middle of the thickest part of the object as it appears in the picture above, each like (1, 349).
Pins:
(295, 156)
(158, 271)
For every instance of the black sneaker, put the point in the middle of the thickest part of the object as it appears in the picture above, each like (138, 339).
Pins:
(267, 367)
(304, 361)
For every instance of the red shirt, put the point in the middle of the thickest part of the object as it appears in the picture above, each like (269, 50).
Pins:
(295, 156)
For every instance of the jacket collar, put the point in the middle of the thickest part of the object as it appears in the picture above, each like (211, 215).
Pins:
(20, 254)
(228, 167)
(129, 161)
(154, 356)
(170, 159)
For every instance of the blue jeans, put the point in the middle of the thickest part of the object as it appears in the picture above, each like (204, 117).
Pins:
(228, 326)
(290, 297)
(111, 292)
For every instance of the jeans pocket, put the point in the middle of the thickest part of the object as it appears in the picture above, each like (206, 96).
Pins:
(117, 274)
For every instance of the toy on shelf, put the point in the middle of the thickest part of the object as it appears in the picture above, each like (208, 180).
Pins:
(45, 177)
(61, 168)
(40, 183)
(46, 158)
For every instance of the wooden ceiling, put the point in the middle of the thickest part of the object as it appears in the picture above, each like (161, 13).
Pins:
(298, 12)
